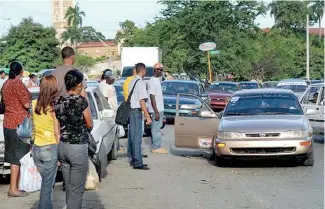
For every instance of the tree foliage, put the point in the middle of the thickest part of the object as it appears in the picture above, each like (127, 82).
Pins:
(74, 16)
(30, 43)
(246, 50)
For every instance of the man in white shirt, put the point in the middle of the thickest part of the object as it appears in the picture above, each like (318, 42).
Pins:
(156, 109)
(138, 97)
(2, 78)
(107, 88)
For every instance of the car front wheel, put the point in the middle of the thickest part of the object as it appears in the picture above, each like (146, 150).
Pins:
(113, 155)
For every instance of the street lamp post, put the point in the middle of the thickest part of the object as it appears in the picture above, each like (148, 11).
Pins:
(307, 48)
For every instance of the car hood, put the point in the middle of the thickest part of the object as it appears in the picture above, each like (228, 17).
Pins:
(171, 99)
(219, 94)
(263, 123)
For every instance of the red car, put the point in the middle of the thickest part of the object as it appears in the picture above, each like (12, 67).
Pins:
(219, 92)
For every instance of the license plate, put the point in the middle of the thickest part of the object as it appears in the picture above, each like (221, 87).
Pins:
(205, 143)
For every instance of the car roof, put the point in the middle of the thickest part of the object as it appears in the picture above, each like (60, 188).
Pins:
(36, 89)
(181, 81)
(317, 84)
(271, 82)
(226, 82)
(248, 82)
(292, 80)
(263, 91)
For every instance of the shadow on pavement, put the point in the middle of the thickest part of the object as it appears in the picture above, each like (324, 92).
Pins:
(91, 200)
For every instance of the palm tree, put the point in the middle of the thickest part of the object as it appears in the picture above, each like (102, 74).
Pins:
(74, 16)
(318, 13)
(72, 34)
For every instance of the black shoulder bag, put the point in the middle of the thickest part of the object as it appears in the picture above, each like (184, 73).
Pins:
(124, 110)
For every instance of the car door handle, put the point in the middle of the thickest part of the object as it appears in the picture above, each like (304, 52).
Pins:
(317, 108)
(181, 124)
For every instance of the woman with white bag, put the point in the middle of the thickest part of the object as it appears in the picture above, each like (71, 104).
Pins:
(46, 138)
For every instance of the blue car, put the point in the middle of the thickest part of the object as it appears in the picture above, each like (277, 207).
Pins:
(188, 105)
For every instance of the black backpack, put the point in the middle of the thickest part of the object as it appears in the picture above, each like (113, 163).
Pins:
(124, 110)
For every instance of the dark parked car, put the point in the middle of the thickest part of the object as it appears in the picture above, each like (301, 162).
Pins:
(250, 85)
(188, 105)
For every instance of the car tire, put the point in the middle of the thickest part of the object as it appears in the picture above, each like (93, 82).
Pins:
(309, 161)
(113, 154)
(219, 161)
(103, 160)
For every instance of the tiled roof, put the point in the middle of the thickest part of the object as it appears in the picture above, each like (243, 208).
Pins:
(96, 44)
(312, 31)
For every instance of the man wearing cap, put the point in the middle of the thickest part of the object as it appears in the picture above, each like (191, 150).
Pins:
(156, 109)
(2, 78)
(107, 88)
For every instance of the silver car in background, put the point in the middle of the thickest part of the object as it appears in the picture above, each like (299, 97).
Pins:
(264, 123)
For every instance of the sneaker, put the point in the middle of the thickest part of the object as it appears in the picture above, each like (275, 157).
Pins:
(159, 151)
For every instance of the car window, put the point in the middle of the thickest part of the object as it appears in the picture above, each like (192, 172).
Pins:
(174, 88)
(263, 104)
(103, 100)
(202, 91)
(35, 95)
(322, 96)
(92, 106)
(224, 87)
(311, 95)
(98, 101)
(249, 85)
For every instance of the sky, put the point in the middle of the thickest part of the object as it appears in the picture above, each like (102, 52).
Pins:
(103, 15)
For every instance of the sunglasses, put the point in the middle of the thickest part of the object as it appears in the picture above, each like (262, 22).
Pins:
(160, 69)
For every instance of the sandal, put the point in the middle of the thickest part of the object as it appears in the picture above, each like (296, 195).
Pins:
(23, 194)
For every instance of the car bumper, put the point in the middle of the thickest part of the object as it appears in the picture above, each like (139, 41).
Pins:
(206, 153)
(262, 148)
(218, 105)
(4, 167)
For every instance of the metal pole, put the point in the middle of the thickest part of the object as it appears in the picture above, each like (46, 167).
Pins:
(307, 48)
(209, 65)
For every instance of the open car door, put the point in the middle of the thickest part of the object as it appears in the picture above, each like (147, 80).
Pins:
(195, 130)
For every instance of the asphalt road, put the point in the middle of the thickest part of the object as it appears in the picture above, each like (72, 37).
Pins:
(193, 182)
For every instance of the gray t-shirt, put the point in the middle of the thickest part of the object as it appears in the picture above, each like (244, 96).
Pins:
(60, 73)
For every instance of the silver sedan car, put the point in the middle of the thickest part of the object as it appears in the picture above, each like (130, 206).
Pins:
(257, 123)
(264, 123)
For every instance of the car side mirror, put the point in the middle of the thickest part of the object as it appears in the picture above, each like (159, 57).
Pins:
(322, 103)
(107, 113)
(207, 114)
(310, 112)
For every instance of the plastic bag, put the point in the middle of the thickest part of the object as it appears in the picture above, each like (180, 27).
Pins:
(30, 178)
(92, 181)
(25, 130)
(121, 131)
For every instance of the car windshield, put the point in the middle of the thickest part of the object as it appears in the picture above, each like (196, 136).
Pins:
(263, 104)
(295, 88)
(224, 87)
(119, 93)
(128, 71)
(249, 85)
(93, 83)
(270, 84)
(174, 88)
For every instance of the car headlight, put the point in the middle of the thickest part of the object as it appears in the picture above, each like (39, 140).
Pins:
(189, 106)
(2, 147)
(297, 134)
(229, 135)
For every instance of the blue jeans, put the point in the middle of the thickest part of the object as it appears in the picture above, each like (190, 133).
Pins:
(156, 136)
(135, 137)
(46, 158)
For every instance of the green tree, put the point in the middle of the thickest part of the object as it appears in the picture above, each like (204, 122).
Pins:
(74, 16)
(34, 45)
(318, 13)
(125, 35)
(88, 34)
(72, 35)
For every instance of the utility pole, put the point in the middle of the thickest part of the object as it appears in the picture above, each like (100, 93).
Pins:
(307, 48)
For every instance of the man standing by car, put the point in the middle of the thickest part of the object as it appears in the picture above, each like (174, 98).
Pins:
(156, 109)
(138, 105)
(107, 88)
